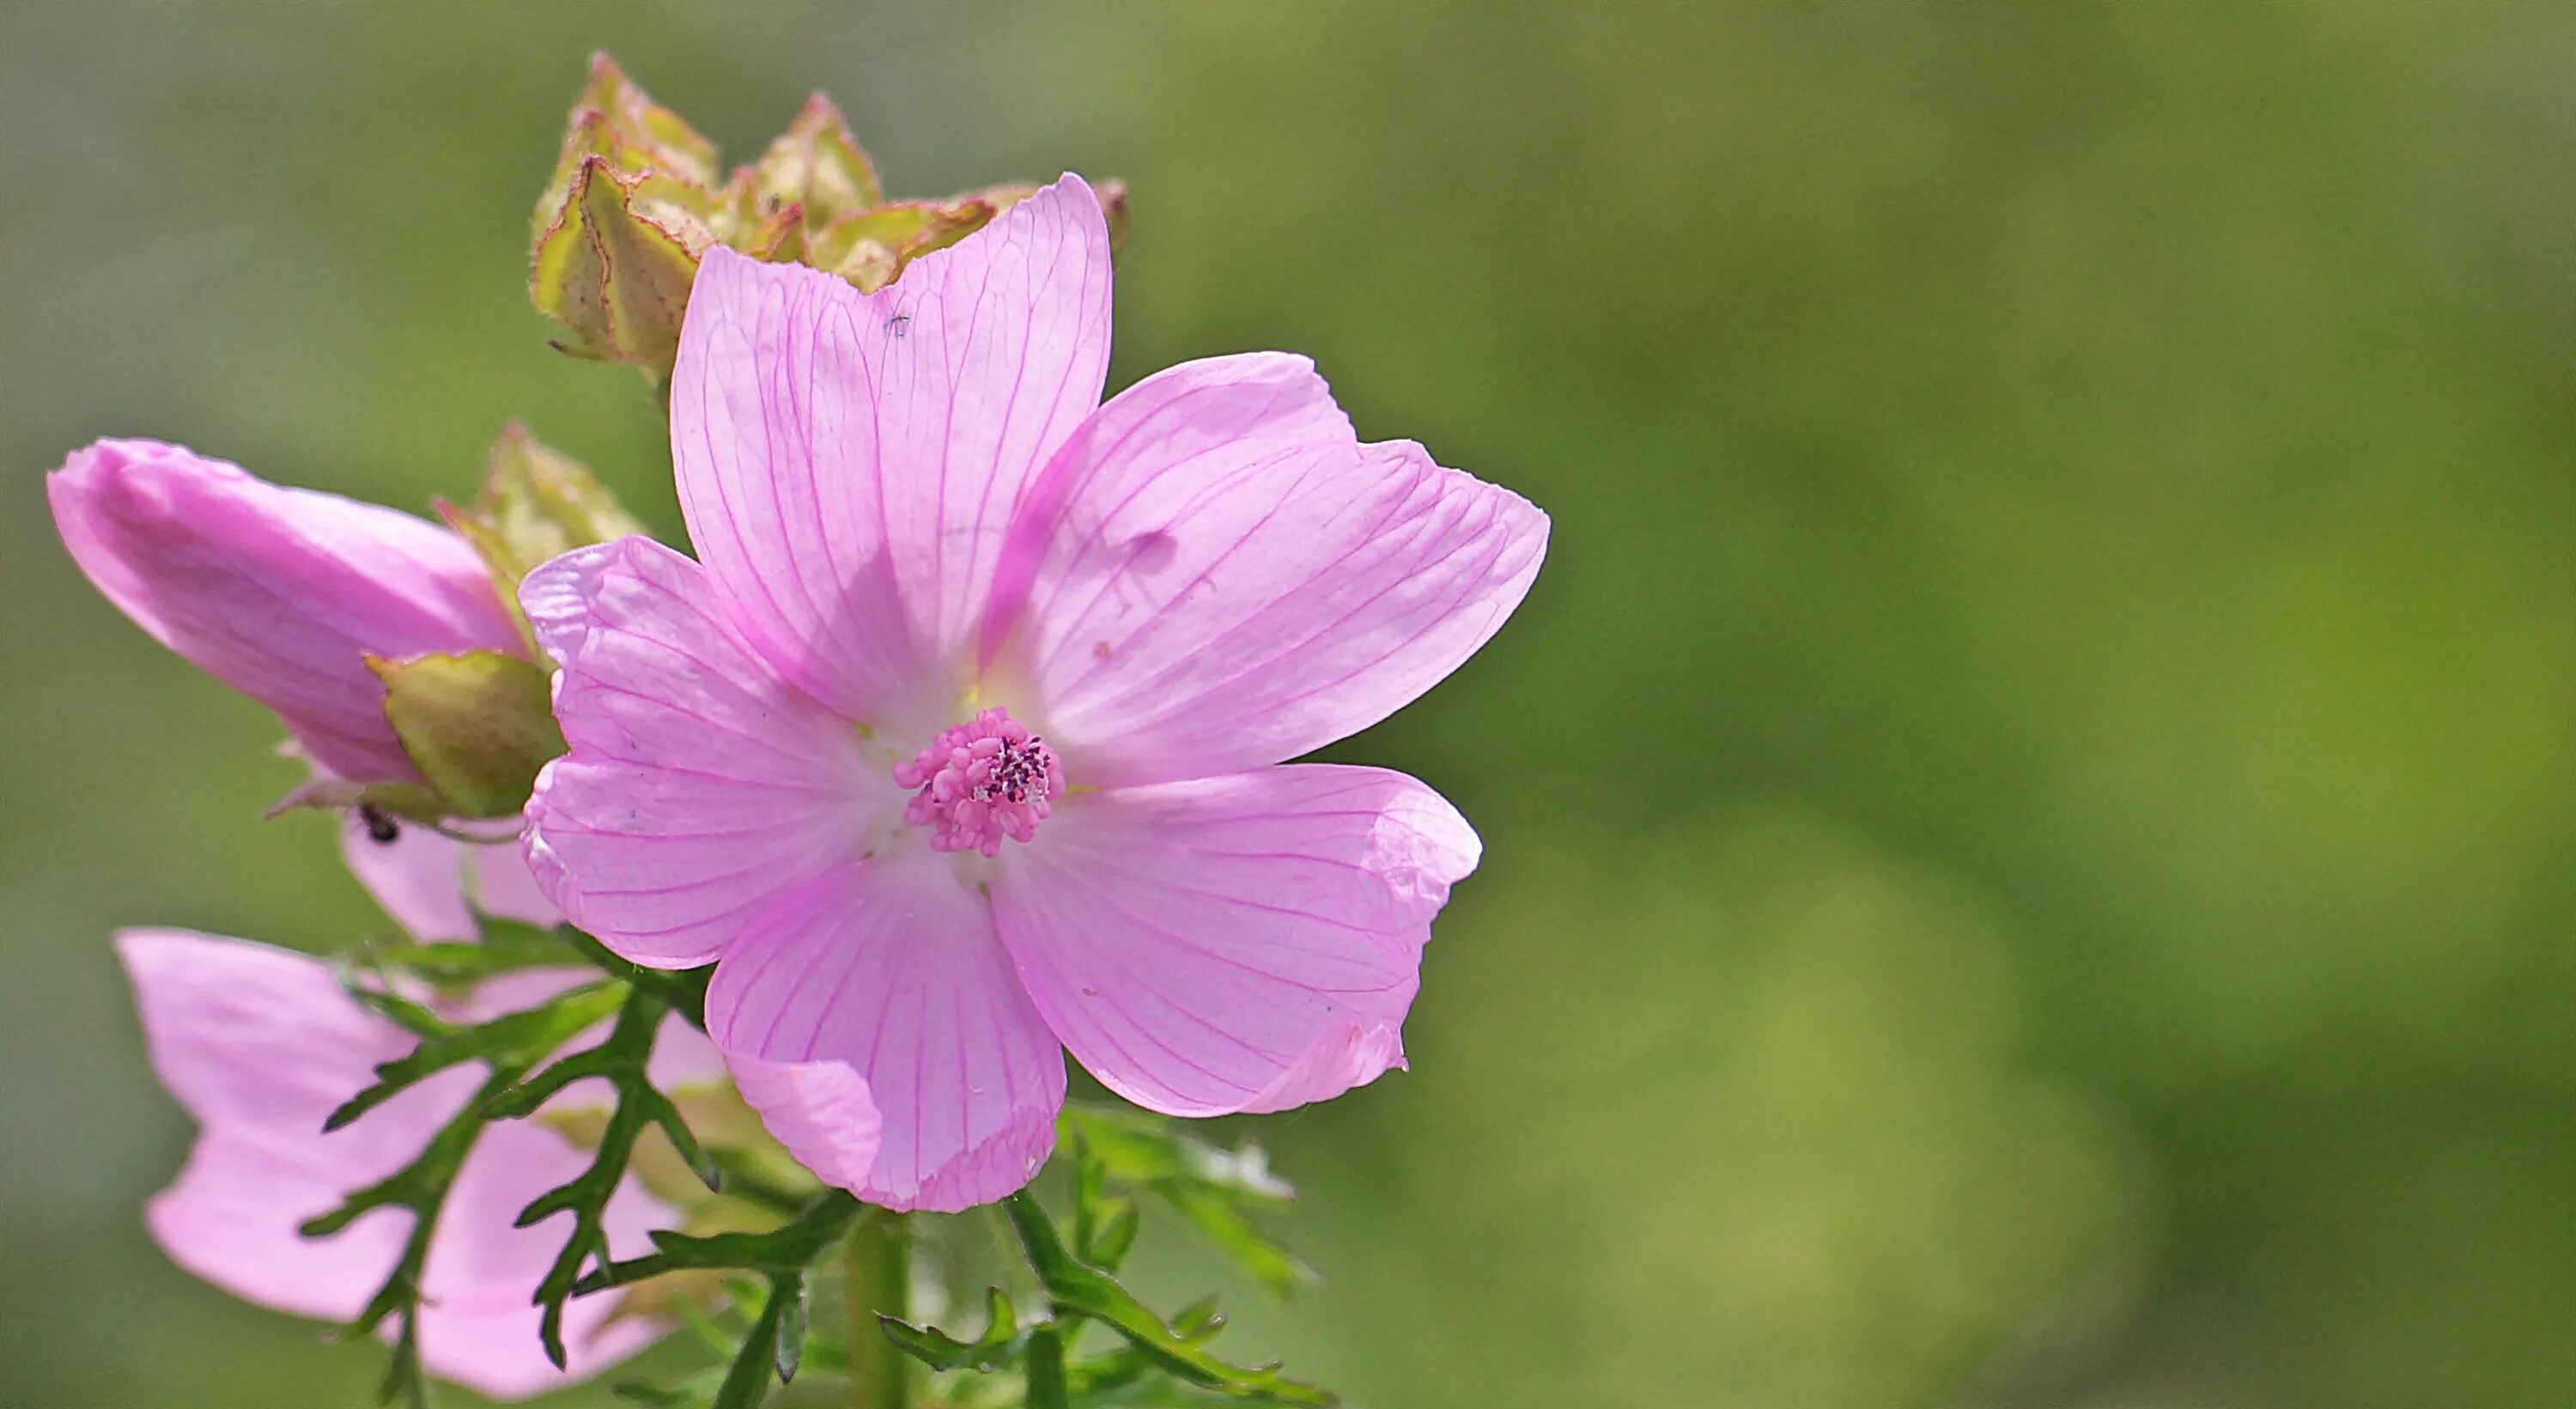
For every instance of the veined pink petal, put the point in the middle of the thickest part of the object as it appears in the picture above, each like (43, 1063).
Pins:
(260, 1044)
(820, 1111)
(279, 593)
(892, 967)
(1219, 578)
(1245, 943)
(699, 784)
(849, 463)
(432, 885)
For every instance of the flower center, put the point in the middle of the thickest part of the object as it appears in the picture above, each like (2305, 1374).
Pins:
(981, 781)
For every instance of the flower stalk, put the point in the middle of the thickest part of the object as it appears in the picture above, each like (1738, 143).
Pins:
(877, 1263)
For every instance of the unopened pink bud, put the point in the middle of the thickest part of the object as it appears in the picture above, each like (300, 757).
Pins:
(280, 593)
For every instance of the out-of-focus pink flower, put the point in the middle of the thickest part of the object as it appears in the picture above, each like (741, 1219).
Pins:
(433, 885)
(260, 1044)
(960, 745)
(280, 593)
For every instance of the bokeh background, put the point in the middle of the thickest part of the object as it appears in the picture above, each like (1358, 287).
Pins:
(2029, 815)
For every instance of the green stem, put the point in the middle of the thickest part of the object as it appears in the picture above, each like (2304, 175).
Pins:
(878, 1263)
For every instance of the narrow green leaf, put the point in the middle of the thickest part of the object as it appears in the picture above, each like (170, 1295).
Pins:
(522, 1037)
(791, 1330)
(995, 1349)
(747, 1383)
(624, 1059)
(789, 1248)
(1279, 1271)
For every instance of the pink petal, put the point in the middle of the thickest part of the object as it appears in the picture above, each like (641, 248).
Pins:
(1218, 577)
(432, 885)
(255, 1037)
(231, 1215)
(279, 593)
(417, 879)
(685, 1057)
(1245, 943)
(820, 1111)
(848, 462)
(480, 1329)
(699, 783)
(260, 1044)
(892, 967)
(505, 888)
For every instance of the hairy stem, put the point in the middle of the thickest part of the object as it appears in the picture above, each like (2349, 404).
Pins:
(878, 1262)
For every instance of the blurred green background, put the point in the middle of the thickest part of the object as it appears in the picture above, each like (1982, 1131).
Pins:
(2029, 817)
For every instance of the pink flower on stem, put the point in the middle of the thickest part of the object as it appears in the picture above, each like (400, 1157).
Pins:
(280, 593)
(961, 744)
(260, 1044)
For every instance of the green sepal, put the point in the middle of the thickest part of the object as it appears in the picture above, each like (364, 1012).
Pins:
(614, 264)
(615, 117)
(478, 726)
(816, 164)
(871, 247)
(535, 503)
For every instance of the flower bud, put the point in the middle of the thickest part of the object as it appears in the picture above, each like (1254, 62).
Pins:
(614, 265)
(635, 203)
(280, 593)
(817, 166)
(536, 503)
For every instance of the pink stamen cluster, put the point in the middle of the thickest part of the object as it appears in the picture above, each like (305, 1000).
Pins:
(981, 781)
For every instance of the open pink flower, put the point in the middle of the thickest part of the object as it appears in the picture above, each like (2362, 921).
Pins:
(280, 593)
(960, 744)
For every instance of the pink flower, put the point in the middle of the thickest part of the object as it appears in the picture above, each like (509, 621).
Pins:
(260, 1044)
(432, 885)
(960, 745)
(279, 593)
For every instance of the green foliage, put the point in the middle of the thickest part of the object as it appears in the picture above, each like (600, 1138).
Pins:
(1076, 1289)
(1216, 1190)
(508, 1047)
(999, 1345)
(621, 1059)
(781, 1257)
(505, 948)
(513, 1042)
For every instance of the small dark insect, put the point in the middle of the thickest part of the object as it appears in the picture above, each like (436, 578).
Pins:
(381, 827)
(899, 324)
